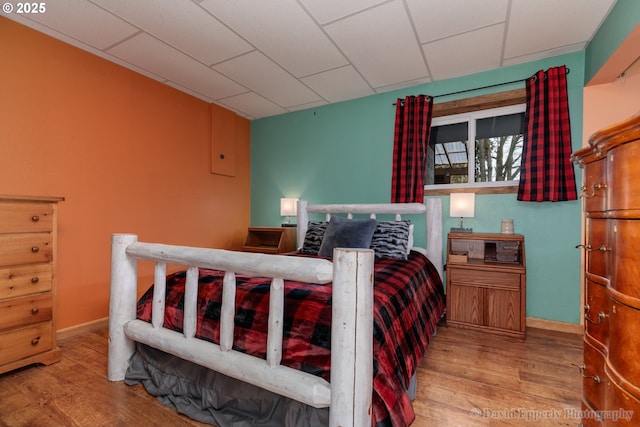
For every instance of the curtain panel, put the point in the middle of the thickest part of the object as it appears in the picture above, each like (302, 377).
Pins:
(547, 173)
(411, 141)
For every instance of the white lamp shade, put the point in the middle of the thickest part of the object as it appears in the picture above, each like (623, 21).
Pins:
(462, 205)
(288, 207)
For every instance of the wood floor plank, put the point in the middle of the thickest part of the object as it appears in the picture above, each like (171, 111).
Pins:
(467, 379)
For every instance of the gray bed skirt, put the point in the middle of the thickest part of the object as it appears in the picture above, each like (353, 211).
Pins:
(214, 398)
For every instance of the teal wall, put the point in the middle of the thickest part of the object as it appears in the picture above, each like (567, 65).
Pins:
(622, 20)
(342, 153)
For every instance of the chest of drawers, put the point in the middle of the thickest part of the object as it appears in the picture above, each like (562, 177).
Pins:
(28, 237)
(611, 195)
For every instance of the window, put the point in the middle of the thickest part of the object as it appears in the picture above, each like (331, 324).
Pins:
(476, 148)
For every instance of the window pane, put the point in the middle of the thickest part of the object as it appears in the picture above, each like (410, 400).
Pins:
(498, 149)
(451, 161)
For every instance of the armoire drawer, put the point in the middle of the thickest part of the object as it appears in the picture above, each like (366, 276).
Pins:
(596, 250)
(623, 409)
(596, 319)
(624, 341)
(590, 418)
(623, 176)
(25, 311)
(25, 217)
(594, 191)
(624, 242)
(25, 280)
(593, 376)
(29, 248)
(25, 342)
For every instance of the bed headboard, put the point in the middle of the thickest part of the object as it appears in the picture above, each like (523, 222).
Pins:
(432, 209)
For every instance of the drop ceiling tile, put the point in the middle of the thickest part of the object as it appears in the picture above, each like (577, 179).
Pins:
(148, 53)
(80, 20)
(306, 106)
(572, 21)
(381, 45)
(325, 11)
(570, 48)
(252, 105)
(283, 31)
(339, 85)
(260, 74)
(403, 85)
(188, 91)
(475, 51)
(182, 24)
(436, 19)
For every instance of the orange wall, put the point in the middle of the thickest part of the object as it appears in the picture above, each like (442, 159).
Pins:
(128, 154)
(607, 104)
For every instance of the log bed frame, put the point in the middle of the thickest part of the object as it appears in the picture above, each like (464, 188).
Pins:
(348, 394)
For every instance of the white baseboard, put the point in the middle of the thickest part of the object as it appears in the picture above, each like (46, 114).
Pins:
(82, 328)
(553, 325)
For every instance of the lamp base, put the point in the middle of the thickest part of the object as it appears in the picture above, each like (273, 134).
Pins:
(288, 224)
(461, 230)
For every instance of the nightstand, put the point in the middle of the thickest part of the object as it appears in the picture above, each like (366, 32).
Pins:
(486, 282)
(270, 240)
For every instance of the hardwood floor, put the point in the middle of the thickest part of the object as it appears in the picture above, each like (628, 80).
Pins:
(467, 379)
(472, 379)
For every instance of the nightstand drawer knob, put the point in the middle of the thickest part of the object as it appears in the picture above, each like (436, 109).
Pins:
(35, 249)
(35, 218)
(35, 341)
(35, 280)
(35, 310)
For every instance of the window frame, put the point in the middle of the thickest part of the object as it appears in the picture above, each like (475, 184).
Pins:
(473, 105)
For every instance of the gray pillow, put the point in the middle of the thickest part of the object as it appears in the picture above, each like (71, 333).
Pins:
(347, 233)
(391, 239)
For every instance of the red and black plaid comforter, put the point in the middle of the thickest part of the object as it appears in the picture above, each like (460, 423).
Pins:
(408, 302)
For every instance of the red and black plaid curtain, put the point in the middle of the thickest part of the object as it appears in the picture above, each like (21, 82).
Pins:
(546, 173)
(411, 140)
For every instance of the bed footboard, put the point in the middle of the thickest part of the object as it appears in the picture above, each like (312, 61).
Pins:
(350, 391)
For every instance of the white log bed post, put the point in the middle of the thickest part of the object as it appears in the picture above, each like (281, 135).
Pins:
(352, 338)
(122, 304)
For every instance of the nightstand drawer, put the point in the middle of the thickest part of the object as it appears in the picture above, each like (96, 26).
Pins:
(25, 311)
(483, 278)
(21, 343)
(25, 280)
(17, 249)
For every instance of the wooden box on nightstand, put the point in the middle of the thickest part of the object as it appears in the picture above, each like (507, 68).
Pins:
(270, 240)
(486, 288)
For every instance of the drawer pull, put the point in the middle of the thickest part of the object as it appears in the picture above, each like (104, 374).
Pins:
(35, 280)
(35, 249)
(35, 218)
(35, 341)
(601, 317)
(589, 248)
(581, 368)
(35, 310)
(595, 188)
